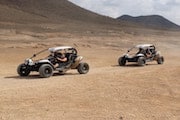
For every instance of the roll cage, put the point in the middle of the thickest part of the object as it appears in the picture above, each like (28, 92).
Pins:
(144, 49)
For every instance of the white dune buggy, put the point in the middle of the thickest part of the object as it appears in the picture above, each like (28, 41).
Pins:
(46, 66)
(141, 54)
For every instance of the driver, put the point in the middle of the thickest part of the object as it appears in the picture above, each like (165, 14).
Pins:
(61, 58)
(148, 53)
(141, 51)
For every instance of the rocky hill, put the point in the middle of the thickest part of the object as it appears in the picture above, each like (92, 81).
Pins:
(152, 21)
(64, 16)
(59, 13)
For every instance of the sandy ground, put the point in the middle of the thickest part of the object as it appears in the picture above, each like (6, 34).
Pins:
(107, 92)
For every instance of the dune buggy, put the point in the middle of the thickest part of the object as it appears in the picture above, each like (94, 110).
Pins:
(141, 54)
(46, 66)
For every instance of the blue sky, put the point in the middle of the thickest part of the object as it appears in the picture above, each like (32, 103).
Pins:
(170, 9)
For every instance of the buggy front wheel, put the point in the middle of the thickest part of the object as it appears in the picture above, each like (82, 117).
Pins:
(141, 61)
(23, 70)
(122, 61)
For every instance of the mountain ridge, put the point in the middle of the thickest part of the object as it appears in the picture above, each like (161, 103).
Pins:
(66, 15)
(150, 21)
(54, 10)
(58, 15)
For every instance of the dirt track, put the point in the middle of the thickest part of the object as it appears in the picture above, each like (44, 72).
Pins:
(107, 92)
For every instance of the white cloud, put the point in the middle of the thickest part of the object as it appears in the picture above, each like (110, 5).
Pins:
(115, 8)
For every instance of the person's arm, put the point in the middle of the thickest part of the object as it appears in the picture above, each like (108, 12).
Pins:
(63, 59)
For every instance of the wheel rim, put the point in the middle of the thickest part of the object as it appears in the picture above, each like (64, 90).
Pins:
(47, 71)
(85, 67)
(23, 70)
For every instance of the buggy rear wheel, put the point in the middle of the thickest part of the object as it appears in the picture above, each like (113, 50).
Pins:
(46, 71)
(83, 68)
(22, 70)
(160, 60)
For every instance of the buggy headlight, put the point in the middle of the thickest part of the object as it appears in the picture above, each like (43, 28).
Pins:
(126, 55)
(28, 62)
